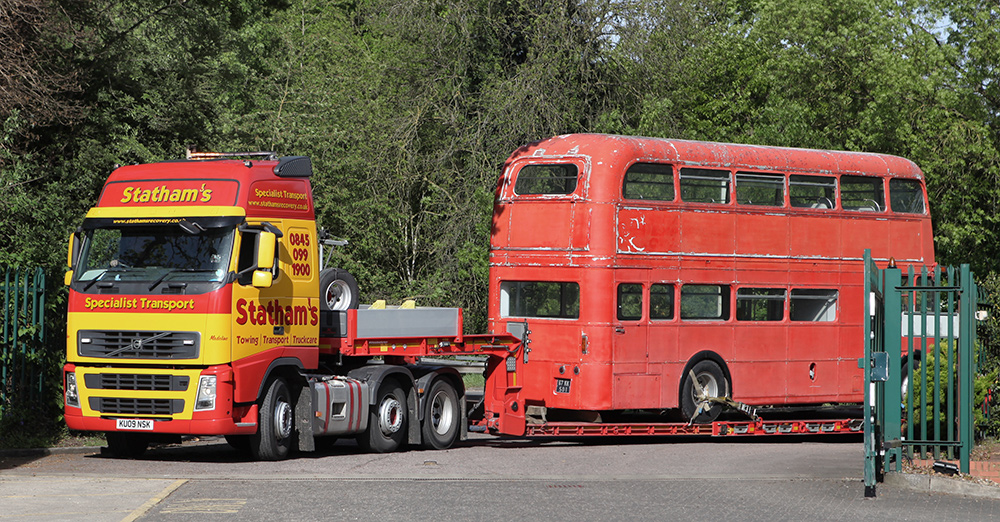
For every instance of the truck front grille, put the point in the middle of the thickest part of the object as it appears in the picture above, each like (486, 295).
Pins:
(126, 406)
(143, 382)
(133, 344)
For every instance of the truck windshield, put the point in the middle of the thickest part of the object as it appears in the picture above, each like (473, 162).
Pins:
(161, 253)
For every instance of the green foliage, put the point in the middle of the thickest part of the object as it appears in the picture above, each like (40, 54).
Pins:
(932, 390)
(409, 108)
(32, 388)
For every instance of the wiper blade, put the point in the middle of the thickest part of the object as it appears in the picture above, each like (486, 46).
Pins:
(174, 271)
(100, 276)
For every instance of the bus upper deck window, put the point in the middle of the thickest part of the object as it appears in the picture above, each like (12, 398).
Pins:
(861, 193)
(819, 192)
(906, 196)
(705, 185)
(649, 181)
(760, 189)
(546, 179)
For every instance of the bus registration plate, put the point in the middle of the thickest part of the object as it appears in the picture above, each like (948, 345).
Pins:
(562, 385)
(134, 424)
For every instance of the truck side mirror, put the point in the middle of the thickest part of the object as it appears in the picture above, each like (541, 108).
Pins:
(73, 255)
(267, 242)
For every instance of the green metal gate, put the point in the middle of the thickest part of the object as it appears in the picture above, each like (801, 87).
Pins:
(919, 365)
(22, 337)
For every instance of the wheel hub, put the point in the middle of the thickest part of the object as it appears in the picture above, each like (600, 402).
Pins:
(442, 413)
(338, 295)
(390, 415)
(282, 420)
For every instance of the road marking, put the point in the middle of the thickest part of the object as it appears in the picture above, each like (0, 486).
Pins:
(205, 506)
(141, 510)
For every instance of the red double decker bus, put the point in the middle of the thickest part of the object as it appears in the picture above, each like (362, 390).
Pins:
(637, 263)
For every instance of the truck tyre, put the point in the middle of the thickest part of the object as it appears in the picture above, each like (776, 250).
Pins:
(273, 439)
(712, 381)
(338, 290)
(387, 422)
(441, 416)
(126, 445)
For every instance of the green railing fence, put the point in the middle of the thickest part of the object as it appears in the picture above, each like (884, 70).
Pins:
(22, 370)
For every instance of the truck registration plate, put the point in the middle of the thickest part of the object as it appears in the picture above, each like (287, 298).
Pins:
(134, 424)
(562, 385)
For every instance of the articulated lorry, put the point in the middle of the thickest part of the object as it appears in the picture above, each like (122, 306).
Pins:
(637, 287)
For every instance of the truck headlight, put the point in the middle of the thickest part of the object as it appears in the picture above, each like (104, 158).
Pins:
(72, 395)
(206, 393)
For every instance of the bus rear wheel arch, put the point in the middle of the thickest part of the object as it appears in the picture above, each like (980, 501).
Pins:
(709, 380)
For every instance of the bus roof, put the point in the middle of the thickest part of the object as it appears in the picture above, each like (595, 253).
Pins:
(626, 149)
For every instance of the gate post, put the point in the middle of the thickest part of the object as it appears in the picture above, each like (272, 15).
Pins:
(966, 364)
(873, 340)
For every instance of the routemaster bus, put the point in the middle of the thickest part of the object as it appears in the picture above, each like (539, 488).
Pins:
(631, 266)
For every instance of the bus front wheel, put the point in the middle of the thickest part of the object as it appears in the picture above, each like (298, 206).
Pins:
(711, 382)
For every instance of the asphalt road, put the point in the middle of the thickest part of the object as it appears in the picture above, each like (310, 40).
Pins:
(482, 479)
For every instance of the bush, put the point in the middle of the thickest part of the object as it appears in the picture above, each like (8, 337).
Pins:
(986, 425)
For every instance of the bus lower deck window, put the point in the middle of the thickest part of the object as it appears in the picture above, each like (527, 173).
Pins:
(760, 304)
(629, 301)
(540, 299)
(661, 301)
(707, 302)
(813, 305)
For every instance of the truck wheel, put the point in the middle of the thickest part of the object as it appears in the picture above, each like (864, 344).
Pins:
(338, 290)
(713, 383)
(441, 416)
(273, 439)
(387, 420)
(126, 445)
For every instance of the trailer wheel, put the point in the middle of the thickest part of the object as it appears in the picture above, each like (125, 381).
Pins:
(386, 421)
(338, 290)
(273, 439)
(126, 445)
(712, 382)
(441, 416)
